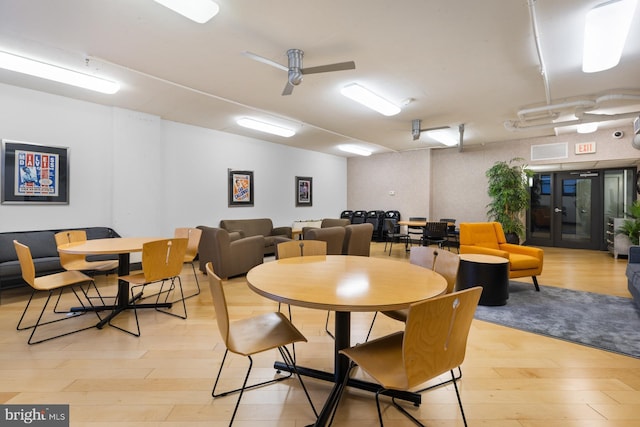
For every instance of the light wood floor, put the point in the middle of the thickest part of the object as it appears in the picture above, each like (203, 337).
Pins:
(164, 378)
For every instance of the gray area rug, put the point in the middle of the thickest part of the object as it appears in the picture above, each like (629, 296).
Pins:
(602, 321)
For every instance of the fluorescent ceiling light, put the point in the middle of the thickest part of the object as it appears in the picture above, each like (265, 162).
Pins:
(605, 33)
(354, 150)
(265, 127)
(369, 99)
(199, 11)
(587, 127)
(443, 137)
(43, 70)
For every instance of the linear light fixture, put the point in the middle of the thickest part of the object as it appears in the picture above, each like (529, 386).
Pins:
(199, 11)
(443, 137)
(347, 148)
(36, 68)
(369, 99)
(606, 28)
(587, 127)
(265, 127)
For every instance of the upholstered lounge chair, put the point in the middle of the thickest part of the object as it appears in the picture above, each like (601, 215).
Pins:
(229, 257)
(488, 238)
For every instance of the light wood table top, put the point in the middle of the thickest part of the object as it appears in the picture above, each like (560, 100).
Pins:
(345, 283)
(117, 245)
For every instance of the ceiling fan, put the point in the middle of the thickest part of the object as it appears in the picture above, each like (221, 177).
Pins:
(296, 71)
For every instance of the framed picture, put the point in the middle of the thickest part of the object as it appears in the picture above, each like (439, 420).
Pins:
(304, 191)
(240, 188)
(33, 173)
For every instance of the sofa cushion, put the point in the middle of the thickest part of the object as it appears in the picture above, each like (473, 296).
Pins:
(41, 243)
(522, 262)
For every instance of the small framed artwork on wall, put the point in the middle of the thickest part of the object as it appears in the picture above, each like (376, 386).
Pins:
(34, 174)
(304, 191)
(240, 188)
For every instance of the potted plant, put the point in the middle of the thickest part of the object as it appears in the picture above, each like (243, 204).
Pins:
(509, 192)
(631, 225)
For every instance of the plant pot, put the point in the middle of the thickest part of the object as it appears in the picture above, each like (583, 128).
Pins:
(512, 238)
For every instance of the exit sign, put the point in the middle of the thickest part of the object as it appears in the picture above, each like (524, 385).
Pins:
(585, 147)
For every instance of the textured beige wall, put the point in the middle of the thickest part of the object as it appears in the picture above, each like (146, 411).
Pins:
(407, 174)
(449, 183)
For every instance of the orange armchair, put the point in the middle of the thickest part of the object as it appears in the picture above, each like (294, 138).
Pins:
(488, 238)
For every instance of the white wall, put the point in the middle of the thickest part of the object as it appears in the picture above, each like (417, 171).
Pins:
(142, 175)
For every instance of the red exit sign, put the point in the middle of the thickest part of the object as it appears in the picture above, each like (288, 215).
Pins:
(585, 147)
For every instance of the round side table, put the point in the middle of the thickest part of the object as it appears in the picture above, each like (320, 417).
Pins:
(490, 272)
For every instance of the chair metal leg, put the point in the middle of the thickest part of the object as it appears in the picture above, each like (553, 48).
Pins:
(172, 287)
(445, 382)
(197, 282)
(371, 327)
(39, 322)
(326, 326)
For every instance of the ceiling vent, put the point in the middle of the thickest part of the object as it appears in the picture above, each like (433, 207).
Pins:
(550, 151)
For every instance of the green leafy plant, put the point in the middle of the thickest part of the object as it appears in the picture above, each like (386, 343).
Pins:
(509, 192)
(631, 226)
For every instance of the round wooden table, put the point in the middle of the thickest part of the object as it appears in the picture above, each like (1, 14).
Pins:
(344, 284)
(123, 247)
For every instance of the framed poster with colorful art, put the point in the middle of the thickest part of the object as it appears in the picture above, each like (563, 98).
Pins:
(33, 173)
(240, 188)
(304, 191)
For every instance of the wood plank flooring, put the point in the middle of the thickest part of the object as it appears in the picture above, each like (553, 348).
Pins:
(164, 378)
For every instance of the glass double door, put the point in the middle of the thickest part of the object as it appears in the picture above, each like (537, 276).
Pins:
(566, 210)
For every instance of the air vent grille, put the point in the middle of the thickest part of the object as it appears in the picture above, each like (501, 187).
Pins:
(550, 151)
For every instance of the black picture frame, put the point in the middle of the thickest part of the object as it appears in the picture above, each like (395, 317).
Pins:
(34, 173)
(304, 191)
(240, 188)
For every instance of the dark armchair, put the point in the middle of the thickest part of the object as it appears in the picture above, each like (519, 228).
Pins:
(229, 257)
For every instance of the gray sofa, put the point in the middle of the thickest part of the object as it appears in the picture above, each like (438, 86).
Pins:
(257, 227)
(633, 273)
(43, 250)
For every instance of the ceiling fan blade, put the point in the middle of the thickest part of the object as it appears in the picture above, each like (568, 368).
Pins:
(288, 89)
(265, 60)
(340, 66)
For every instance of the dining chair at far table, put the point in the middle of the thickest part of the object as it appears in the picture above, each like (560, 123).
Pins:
(392, 233)
(79, 262)
(250, 336)
(162, 262)
(433, 342)
(51, 284)
(192, 235)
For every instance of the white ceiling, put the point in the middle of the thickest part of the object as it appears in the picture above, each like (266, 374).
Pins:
(461, 61)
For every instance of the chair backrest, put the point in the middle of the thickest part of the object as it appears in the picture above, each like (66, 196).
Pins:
(486, 234)
(219, 303)
(390, 225)
(26, 263)
(357, 239)
(163, 259)
(297, 248)
(193, 240)
(358, 217)
(334, 236)
(441, 261)
(70, 236)
(436, 230)
(451, 222)
(436, 332)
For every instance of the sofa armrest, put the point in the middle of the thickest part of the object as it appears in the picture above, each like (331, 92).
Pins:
(281, 231)
(634, 254)
(473, 249)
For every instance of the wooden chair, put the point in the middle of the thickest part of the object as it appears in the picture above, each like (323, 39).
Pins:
(193, 241)
(162, 262)
(297, 248)
(434, 341)
(52, 283)
(78, 262)
(442, 262)
(250, 336)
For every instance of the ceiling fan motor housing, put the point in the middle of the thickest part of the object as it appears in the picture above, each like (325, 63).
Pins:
(295, 66)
